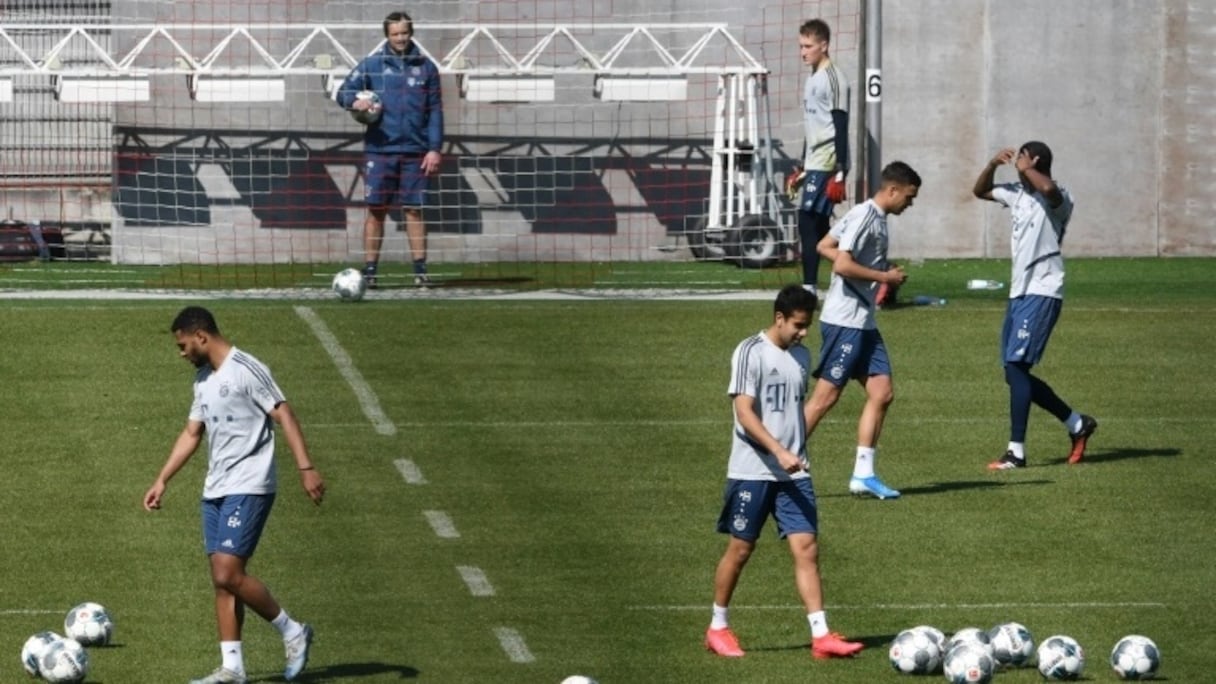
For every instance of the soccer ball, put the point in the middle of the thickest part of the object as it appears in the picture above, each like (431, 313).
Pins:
(90, 624)
(579, 679)
(350, 285)
(64, 661)
(970, 635)
(1060, 657)
(35, 647)
(1012, 644)
(368, 116)
(915, 652)
(1135, 657)
(936, 635)
(968, 663)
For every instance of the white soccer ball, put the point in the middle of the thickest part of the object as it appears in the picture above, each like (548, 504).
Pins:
(968, 663)
(970, 635)
(35, 647)
(64, 661)
(1135, 657)
(936, 635)
(579, 679)
(1060, 657)
(350, 284)
(371, 115)
(1012, 644)
(90, 624)
(915, 652)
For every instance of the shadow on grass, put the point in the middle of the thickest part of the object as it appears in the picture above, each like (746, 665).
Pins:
(345, 672)
(942, 487)
(871, 642)
(1092, 456)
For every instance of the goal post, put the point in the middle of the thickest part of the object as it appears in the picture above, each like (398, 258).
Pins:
(571, 138)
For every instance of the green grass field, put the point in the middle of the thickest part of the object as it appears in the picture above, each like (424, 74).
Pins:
(578, 449)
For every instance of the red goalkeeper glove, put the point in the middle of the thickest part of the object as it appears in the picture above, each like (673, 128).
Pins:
(793, 183)
(836, 191)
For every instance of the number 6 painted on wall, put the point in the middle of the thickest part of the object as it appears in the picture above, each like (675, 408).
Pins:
(873, 85)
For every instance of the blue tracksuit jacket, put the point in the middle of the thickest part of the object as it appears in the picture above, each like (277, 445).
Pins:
(408, 86)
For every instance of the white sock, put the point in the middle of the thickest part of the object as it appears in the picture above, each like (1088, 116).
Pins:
(1018, 449)
(819, 624)
(863, 466)
(1073, 423)
(287, 627)
(720, 620)
(231, 657)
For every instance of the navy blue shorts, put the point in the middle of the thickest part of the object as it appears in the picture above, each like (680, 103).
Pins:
(399, 176)
(1029, 320)
(746, 504)
(813, 199)
(849, 353)
(233, 524)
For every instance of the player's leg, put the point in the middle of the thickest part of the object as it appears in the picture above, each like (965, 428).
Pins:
(831, 373)
(245, 518)
(746, 505)
(796, 514)
(413, 196)
(228, 611)
(381, 178)
(812, 227)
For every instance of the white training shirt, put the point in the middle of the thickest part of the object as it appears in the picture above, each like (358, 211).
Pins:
(776, 377)
(862, 233)
(234, 403)
(825, 89)
(1038, 231)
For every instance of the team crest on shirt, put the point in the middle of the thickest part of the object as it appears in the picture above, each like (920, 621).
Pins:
(740, 523)
(224, 390)
(412, 81)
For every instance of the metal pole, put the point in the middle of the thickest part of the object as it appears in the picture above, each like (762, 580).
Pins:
(873, 94)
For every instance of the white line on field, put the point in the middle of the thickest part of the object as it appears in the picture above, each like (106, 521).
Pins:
(29, 611)
(367, 398)
(476, 580)
(924, 606)
(928, 420)
(442, 525)
(513, 643)
(409, 470)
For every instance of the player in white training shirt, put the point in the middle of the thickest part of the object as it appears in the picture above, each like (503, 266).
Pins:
(853, 349)
(1039, 212)
(825, 160)
(767, 473)
(236, 404)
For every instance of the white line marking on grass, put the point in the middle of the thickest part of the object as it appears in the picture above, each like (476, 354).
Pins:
(476, 580)
(367, 398)
(442, 525)
(409, 470)
(513, 643)
(29, 611)
(926, 606)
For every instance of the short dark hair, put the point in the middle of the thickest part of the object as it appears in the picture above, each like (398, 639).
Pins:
(817, 28)
(192, 319)
(1034, 148)
(793, 298)
(899, 173)
(397, 18)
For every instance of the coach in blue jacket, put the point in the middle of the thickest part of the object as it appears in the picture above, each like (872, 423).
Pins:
(402, 146)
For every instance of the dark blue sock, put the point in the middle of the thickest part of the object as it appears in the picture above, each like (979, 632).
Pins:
(369, 268)
(419, 266)
(811, 229)
(1018, 378)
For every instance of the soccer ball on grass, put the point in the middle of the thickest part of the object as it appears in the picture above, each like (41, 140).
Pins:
(914, 651)
(1012, 644)
(968, 663)
(349, 284)
(1135, 657)
(970, 635)
(372, 114)
(35, 647)
(1060, 657)
(64, 661)
(90, 624)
